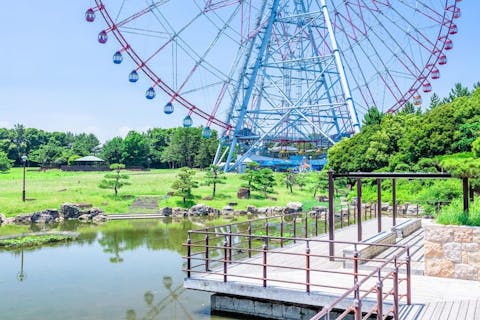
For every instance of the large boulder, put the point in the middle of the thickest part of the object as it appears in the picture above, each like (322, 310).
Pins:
(227, 210)
(251, 209)
(100, 218)
(201, 210)
(243, 193)
(294, 207)
(166, 211)
(70, 211)
(45, 217)
(2, 218)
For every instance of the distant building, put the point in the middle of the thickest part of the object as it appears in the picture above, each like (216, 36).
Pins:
(88, 163)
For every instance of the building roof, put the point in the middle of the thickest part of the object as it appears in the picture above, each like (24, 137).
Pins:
(89, 159)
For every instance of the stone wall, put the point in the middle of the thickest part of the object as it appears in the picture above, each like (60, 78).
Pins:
(452, 251)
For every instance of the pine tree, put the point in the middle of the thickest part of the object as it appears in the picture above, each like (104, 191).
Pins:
(115, 180)
(185, 183)
(214, 176)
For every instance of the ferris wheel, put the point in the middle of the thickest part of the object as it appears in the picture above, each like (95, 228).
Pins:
(273, 74)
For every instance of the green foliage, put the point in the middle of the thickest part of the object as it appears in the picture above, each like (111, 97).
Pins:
(115, 180)
(5, 163)
(476, 148)
(250, 175)
(318, 181)
(185, 183)
(461, 165)
(398, 142)
(135, 150)
(112, 150)
(34, 241)
(264, 181)
(454, 215)
(372, 117)
(214, 176)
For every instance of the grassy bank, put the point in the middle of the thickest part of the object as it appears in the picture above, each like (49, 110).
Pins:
(51, 188)
(35, 240)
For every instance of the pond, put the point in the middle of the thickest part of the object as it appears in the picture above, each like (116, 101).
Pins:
(130, 269)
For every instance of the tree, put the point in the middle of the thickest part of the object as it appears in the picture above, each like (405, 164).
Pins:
(319, 181)
(372, 117)
(250, 175)
(265, 181)
(5, 163)
(115, 180)
(85, 144)
(301, 180)
(457, 92)
(214, 176)
(476, 148)
(135, 150)
(112, 150)
(289, 179)
(434, 101)
(185, 183)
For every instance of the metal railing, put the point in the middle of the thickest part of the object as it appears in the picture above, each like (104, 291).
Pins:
(270, 246)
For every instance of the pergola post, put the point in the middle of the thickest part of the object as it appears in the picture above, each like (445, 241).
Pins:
(394, 201)
(331, 214)
(379, 205)
(359, 209)
(465, 195)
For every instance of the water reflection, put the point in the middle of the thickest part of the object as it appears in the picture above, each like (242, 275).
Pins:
(21, 274)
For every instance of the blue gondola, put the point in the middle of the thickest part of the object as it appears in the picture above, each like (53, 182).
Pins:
(207, 132)
(168, 109)
(117, 57)
(187, 122)
(150, 93)
(133, 76)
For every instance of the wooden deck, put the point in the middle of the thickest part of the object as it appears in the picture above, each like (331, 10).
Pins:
(432, 298)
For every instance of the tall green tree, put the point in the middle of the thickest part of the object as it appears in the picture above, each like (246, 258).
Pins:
(213, 176)
(185, 183)
(250, 175)
(289, 178)
(456, 92)
(372, 117)
(115, 180)
(265, 181)
(112, 150)
(135, 150)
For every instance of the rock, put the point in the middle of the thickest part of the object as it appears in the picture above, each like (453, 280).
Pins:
(272, 198)
(466, 272)
(463, 235)
(199, 210)
(2, 218)
(277, 210)
(207, 198)
(70, 211)
(320, 209)
(84, 218)
(44, 217)
(293, 207)
(433, 250)
(179, 212)
(241, 212)
(243, 193)
(439, 268)
(23, 219)
(227, 210)
(322, 198)
(95, 212)
(232, 204)
(385, 206)
(99, 218)
(453, 251)
(167, 211)
(263, 210)
(251, 209)
(83, 205)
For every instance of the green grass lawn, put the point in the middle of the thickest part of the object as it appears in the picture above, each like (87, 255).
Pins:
(52, 188)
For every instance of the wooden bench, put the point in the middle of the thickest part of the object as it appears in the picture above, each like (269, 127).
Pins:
(367, 248)
(406, 228)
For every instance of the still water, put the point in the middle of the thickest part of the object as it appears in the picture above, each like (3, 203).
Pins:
(122, 270)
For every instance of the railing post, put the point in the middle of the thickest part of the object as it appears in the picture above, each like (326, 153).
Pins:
(357, 301)
(249, 239)
(316, 224)
(189, 255)
(281, 231)
(394, 201)
(230, 244)
(265, 248)
(306, 225)
(225, 259)
(294, 227)
(359, 209)
(331, 215)
(465, 195)
(395, 290)
(207, 259)
(266, 230)
(409, 278)
(379, 296)
(307, 266)
(379, 205)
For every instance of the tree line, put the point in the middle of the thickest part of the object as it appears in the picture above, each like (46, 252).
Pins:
(412, 140)
(156, 148)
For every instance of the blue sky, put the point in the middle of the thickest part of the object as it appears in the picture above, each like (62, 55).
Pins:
(57, 77)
